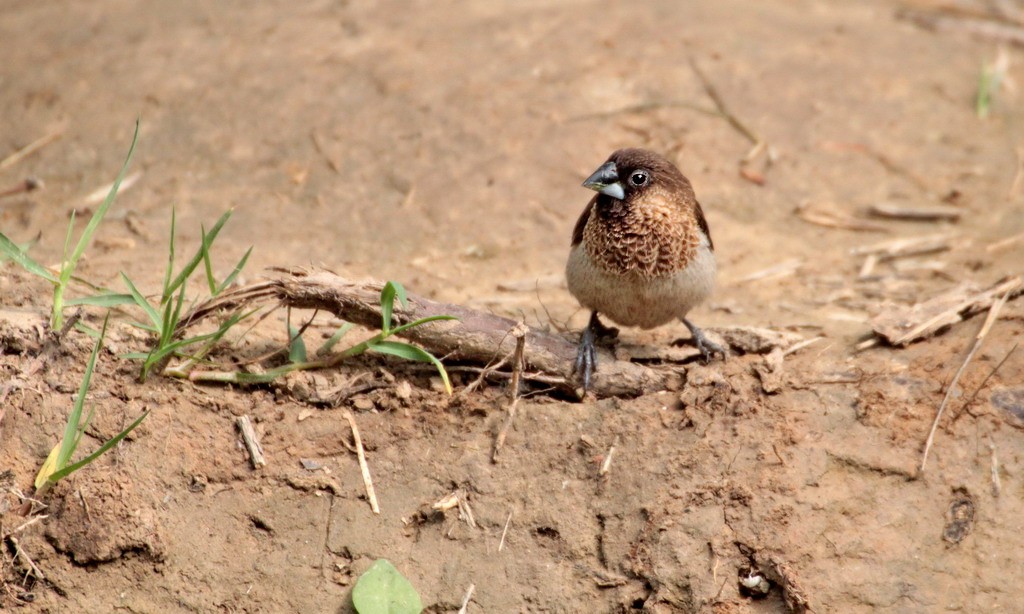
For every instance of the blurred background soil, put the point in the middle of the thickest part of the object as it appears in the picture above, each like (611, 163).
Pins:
(442, 144)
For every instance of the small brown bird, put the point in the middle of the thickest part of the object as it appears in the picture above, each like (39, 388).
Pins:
(641, 251)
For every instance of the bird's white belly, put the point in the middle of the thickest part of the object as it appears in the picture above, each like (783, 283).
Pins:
(631, 300)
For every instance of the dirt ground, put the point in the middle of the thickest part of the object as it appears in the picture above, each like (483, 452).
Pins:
(442, 145)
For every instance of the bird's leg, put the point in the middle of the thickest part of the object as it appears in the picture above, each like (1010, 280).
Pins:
(707, 347)
(602, 332)
(586, 353)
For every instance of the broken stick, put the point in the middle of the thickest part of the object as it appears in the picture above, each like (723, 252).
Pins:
(473, 337)
(993, 314)
(252, 442)
(905, 325)
(364, 469)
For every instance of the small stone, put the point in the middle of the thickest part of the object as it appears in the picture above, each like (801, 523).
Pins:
(403, 390)
(310, 465)
(362, 403)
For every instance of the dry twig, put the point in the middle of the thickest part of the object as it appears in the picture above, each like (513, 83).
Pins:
(97, 195)
(835, 219)
(993, 314)
(252, 442)
(466, 598)
(1004, 243)
(519, 332)
(371, 494)
(905, 325)
(30, 149)
(906, 246)
(920, 213)
(783, 269)
(21, 554)
(475, 336)
(1018, 175)
(319, 146)
(997, 486)
(724, 111)
(504, 532)
(981, 386)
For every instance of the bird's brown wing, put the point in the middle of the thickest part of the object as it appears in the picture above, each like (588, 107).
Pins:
(577, 232)
(703, 223)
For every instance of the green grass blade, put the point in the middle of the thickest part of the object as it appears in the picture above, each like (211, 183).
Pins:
(16, 254)
(66, 471)
(80, 432)
(109, 299)
(335, 338)
(230, 279)
(207, 265)
(170, 257)
(97, 217)
(172, 325)
(411, 352)
(421, 321)
(88, 330)
(70, 439)
(67, 239)
(186, 272)
(142, 302)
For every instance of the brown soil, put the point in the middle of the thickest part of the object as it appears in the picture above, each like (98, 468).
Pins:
(443, 146)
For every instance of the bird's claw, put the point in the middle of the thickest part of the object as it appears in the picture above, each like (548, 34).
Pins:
(707, 347)
(586, 358)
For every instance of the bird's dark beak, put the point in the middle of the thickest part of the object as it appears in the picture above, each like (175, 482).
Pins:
(606, 181)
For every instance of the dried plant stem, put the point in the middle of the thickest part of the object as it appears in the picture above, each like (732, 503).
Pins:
(25, 558)
(371, 494)
(723, 110)
(1018, 175)
(252, 442)
(607, 464)
(30, 149)
(974, 394)
(993, 314)
(997, 486)
(504, 532)
(519, 332)
(466, 598)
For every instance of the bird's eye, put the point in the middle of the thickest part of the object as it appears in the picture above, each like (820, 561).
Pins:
(639, 178)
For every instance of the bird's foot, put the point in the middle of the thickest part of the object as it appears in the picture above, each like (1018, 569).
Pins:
(707, 347)
(586, 353)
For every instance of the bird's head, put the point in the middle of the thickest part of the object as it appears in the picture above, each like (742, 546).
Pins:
(630, 173)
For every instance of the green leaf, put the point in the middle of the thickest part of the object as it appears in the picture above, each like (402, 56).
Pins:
(387, 303)
(384, 590)
(296, 346)
(15, 253)
(411, 352)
